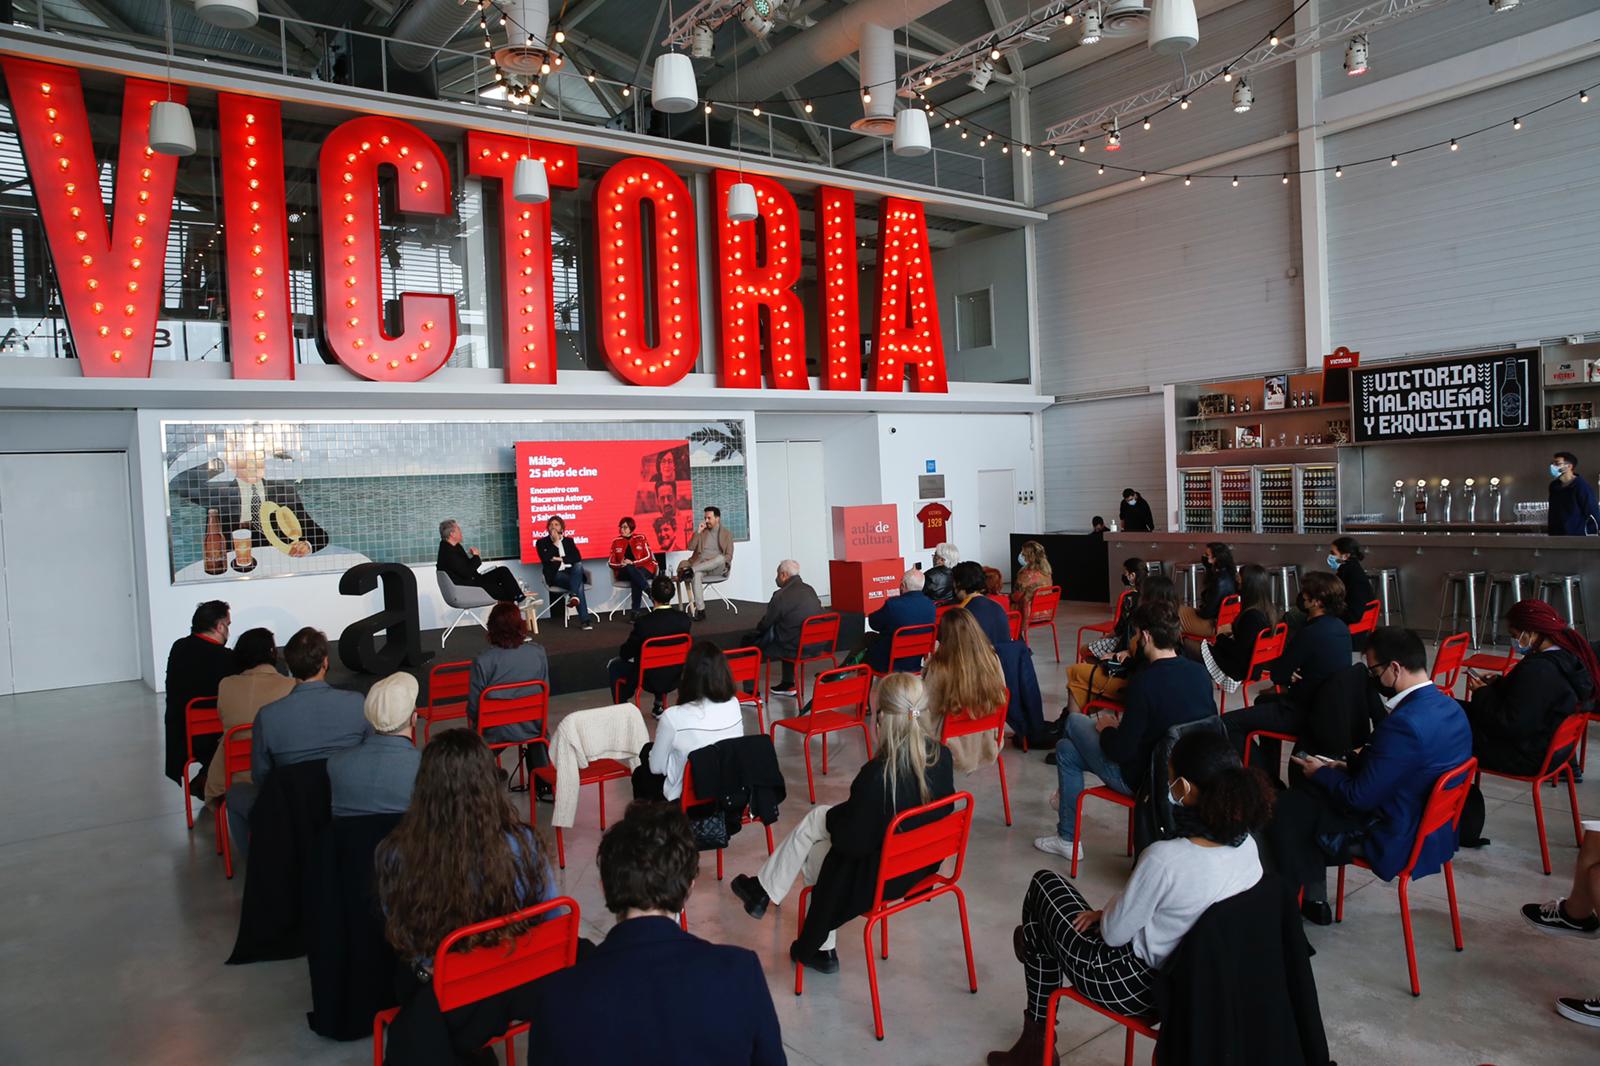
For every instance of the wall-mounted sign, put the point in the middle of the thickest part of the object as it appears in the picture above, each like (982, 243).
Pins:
(1464, 396)
(930, 486)
(1336, 367)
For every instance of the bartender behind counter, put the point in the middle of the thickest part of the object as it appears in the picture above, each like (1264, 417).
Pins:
(1573, 510)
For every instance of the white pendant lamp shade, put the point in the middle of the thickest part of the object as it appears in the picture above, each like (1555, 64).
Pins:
(911, 132)
(673, 89)
(171, 129)
(229, 14)
(742, 203)
(1174, 26)
(529, 183)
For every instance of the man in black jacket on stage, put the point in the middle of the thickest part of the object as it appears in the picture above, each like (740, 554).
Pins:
(461, 564)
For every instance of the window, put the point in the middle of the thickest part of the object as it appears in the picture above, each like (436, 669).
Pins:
(974, 320)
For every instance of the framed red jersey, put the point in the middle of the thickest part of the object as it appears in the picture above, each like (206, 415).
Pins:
(935, 518)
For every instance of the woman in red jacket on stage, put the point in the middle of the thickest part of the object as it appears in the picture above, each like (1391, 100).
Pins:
(632, 561)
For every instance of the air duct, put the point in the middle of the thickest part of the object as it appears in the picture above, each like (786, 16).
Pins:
(877, 81)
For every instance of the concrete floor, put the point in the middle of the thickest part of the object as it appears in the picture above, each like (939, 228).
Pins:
(117, 920)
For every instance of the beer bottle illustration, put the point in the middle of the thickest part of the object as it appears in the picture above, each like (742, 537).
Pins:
(213, 549)
(1511, 399)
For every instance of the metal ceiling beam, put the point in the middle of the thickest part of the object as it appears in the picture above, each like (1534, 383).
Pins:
(997, 16)
(797, 108)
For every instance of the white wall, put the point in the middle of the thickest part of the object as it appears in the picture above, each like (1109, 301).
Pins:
(1093, 451)
(998, 264)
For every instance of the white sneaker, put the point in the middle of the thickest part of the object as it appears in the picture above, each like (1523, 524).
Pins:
(1071, 850)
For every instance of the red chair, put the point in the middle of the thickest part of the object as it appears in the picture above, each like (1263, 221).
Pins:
(745, 666)
(1105, 628)
(1042, 613)
(597, 773)
(448, 685)
(1014, 620)
(200, 719)
(1251, 737)
(657, 653)
(1267, 649)
(910, 642)
(502, 705)
(1448, 659)
(1568, 736)
(960, 725)
(838, 703)
(236, 747)
(1135, 1026)
(460, 978)
(1110, 795)
(688, 799)
(907, 850)
(1444, 808)
(1369, 618)
(819, 639)
(1490, 663)
(1227, 614)
(940, 611)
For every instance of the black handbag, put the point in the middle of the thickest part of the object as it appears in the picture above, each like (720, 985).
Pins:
(710, 828)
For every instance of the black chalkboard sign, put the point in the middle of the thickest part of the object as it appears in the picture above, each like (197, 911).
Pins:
(1464, 396)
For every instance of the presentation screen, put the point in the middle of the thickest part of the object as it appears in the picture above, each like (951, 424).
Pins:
(592, 485)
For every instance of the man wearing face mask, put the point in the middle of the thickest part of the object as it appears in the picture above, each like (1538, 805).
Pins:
(1373, 806)
(1573, 509)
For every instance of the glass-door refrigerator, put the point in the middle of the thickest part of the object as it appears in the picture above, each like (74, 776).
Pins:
(1199, 501)
(1236, 493)
(1318, 497)
(1275, 499)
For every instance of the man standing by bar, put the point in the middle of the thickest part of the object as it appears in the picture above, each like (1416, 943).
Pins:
(1573, 510)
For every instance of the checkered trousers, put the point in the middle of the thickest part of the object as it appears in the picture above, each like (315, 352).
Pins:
(1115, 978)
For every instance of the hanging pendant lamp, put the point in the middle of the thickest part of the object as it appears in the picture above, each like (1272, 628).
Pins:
(742, 203)
(529, 182)
(911, 132)
(672, 89)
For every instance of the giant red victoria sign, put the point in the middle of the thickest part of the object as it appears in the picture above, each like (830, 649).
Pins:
(111, 275)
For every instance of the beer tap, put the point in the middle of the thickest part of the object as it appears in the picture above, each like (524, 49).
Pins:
(1494, 497)
(1469, 495)
(1420, 501)
(1444, 500)
(1399, 501)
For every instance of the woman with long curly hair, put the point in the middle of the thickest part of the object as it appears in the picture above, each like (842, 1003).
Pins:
(963, 677)
(1034, 575)
(462, 854)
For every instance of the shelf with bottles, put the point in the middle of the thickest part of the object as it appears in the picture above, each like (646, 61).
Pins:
(1304, 453)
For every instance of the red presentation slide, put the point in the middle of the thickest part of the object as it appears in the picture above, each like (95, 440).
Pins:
(594, 484)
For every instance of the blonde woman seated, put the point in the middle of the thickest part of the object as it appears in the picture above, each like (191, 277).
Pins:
(836, 849)
(963, 677)
(1034, 575)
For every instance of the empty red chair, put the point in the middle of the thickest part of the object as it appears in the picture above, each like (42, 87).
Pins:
(688, 799)
(819, 639)
(200, 719)
(461, 978)
(1368, 620)
(907, 850)
(1135, 1026)
(910, 642)
(236, 748)
(961, 725)
(657, 653)
(1565, 741)
(1448, 659)
(515, 703)
(1042, 612)
(1110, 795)
(448, 685)
(745, 666)
(839, 702)
(1444, 808)
(1106, 628)
(1489, 662)
(1268, 649)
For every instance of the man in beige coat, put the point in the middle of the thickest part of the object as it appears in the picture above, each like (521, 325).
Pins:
(710, 556)
(241, 695)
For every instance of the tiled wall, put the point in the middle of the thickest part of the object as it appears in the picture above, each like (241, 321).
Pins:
(379, 488)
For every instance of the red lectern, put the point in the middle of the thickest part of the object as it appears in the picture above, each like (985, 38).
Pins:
(868, 568)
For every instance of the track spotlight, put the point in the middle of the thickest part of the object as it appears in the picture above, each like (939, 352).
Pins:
(1355, 56)
(1091, 27)
(1113, 141)
(757, 18)
(702, 41)
(980, 76)
(1503, 5)
(1244, 97)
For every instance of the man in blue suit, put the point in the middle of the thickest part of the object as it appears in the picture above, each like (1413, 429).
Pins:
(651, 993)
(1372, 808)
(910, 608)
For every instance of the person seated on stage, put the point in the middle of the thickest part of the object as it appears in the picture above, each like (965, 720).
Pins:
(969, 583)
(1372, 806)
(1034, 575)
(511, 658)
(778, 632)
(632, 562)
(376, 776)
(710, 556)
(836, 848)
(1222, 581)
(196, 666)
(1578, 916)
(936, 584)
(1228, 658)
(1107, 676)
(666, 535)
(964, 678)
(660, 621)
(1514, 716)
(312, 722)
(461, 566)
(563, 567)
(242, 695)
(461, 854)
(707, 711)
(1112, 956)
(910, 608)
(1167, 690)
(651, 992)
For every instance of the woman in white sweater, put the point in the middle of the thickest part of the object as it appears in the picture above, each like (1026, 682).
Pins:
(1111, 955)
(708, 711)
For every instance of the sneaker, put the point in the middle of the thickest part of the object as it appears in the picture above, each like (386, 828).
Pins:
(789, 692)
(1582, 1011)
(588, 622)
(1552, 918)
(751, 894)
(1071, 850)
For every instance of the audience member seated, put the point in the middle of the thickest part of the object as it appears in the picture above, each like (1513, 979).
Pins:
(1577, 915)
(778, 632)
(1106, 677)
(936, 583)
(461, 565)
(836, 848)
(710, 556)
(1372, 806)
(509, 659)
(241, 695)
(963, 677)
(660, 621)
(1033, 576)
(376, 776)
(1228, 659)
(1097, 525)
(1514, 716)
(1167, 690)
(1222, 581)
(910, 608)
(994, 584)
(968, 580)
(707, 711)
(563, 568)
(196, 666)
(1112, 956)
(460, 855)
(312, 722)
(1344, 559)
(650, 992)
(632, 562)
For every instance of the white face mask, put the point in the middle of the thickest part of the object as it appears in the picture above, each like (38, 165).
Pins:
(1020, 560)
(1174, 796)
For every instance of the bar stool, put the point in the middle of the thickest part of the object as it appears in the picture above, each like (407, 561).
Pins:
(1457, 582)
(1187, 577)
(1155, 567)
(1569, 587)
(1281, 576)
(1394, 604)
(1517, 585)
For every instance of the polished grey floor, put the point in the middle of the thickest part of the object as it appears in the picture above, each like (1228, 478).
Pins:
(116, 921)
